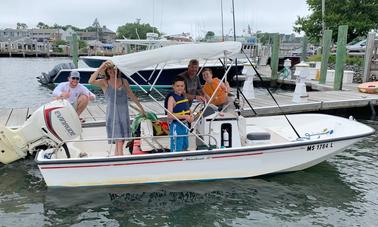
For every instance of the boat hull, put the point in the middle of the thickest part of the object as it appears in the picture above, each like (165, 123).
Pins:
(94, 62)
(165, 79)
(187, 166)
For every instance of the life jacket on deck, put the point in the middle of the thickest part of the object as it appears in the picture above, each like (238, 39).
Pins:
(182, 104)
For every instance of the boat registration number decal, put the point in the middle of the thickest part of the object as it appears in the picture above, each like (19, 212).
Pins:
(321, 146)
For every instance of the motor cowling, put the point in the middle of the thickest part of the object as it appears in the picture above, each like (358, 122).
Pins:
(51, 125)
(60, 120)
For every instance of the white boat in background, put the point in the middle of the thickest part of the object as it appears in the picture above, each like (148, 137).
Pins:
(222, 146)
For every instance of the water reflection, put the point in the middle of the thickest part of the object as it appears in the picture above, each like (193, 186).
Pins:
(21, 194)
(286, 197)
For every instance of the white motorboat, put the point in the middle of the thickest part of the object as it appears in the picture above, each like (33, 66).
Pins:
(222, 146)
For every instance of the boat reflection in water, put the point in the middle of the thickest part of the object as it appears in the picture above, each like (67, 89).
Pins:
(284, 197)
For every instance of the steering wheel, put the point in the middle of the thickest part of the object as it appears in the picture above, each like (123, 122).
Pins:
(198, 110)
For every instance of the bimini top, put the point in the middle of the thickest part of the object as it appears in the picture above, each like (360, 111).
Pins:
(131, 63)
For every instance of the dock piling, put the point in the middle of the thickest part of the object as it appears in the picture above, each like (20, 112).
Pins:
(274, 59)
(369, 52)
(327, 38)
(340, 56)
(74, 50)
(304, 49)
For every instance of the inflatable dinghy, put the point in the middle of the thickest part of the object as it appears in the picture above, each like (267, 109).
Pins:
(369, 87)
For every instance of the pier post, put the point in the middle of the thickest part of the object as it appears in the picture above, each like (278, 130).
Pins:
(74, 50)
(340, 56)
(36, 49)
(23, 49)
(368, 56)
(304, 49)
(48, 49)
(10, 48)
(327, 39)
(274, 59)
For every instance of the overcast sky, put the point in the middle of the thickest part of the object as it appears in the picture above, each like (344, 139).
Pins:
(170, 16)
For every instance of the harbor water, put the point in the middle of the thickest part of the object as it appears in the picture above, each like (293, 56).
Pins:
(342, 191)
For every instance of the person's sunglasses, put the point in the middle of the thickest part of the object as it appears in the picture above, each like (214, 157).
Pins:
(75, 78)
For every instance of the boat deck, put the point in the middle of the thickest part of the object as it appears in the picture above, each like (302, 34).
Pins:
(262, 104)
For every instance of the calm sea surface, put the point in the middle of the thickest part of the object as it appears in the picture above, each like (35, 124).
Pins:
(340, 192)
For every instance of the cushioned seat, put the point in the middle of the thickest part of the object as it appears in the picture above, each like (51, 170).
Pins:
(258, 136)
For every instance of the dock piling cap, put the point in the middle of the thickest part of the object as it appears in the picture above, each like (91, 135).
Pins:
(301, 69)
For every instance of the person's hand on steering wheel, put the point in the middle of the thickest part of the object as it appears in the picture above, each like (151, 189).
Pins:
(197, 111)
(200, 98)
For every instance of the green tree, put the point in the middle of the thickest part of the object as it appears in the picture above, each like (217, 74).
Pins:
(21, 26)
(265, 38)
(82, 44)
(59, 42)
(360, 16)
(56, 44)
(135, 30)
(42, 25)
(209, 35)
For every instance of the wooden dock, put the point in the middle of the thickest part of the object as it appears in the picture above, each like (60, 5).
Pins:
(316, 101)
(262, 104)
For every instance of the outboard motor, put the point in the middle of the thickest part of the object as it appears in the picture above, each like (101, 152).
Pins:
(46, 78)
(50, 125)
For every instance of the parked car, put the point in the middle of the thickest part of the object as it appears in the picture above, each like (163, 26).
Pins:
(357, 46)
(310, 51)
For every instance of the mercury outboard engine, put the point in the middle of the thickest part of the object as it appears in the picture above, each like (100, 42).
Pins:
(50, 125)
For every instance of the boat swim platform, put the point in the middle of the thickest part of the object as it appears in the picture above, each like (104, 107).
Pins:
(263, 104)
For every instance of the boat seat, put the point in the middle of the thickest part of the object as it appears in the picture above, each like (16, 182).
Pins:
(258, 136)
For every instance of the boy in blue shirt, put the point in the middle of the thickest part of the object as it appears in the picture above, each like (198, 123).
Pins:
(178, 106)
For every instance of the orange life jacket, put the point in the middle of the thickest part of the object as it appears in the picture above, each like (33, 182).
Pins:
(221, 96)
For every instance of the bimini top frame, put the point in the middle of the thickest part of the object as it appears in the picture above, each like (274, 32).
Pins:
(132, 63)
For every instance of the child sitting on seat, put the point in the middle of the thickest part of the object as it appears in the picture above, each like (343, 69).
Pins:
(221, 97)
(178, 106)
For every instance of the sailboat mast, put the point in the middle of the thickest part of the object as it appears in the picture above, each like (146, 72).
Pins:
(233, 19)
(237, 100)
(222, 20)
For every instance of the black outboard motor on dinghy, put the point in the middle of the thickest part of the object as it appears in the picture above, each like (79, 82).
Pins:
(46, 78)
(50, 125)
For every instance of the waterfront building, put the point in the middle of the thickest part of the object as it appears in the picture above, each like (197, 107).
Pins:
(46, 35)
